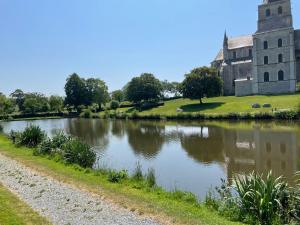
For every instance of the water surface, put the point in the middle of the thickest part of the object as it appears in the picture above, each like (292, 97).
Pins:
(191, 156)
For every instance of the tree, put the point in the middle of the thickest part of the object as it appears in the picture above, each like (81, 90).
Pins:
(6, 105)
(170, 88)
(96, 92)
(117, 95)
(75, 91)
(202, 82)
(36, 102)
(56, 103)
(18, 96)
(144, 88)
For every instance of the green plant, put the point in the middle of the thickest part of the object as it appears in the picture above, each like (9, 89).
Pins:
(32, 136)
(59, 139)
(184, 196)
(259, 199)
(117, 176)
(1, 128)
(45, 148)
(114, 104)
(86, 113)
(138, 173)
(78, 152)
(150, 178)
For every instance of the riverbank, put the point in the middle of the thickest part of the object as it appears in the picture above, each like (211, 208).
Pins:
(13, 211)
(143, 201)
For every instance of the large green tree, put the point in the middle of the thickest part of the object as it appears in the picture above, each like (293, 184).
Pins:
(202, 82)
(56, 103)
(19, 97)
(96, 92)
(144, 88)
(170, 88)
(6, 105)
(36, 102)
(117, 95)
(75, 91)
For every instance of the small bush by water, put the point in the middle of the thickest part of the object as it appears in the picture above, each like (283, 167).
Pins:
(31, 137)
(117, 176)
(150, 178)
(1, 128)
(138, 173)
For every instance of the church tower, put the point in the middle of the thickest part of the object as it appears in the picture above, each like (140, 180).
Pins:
(274, 66)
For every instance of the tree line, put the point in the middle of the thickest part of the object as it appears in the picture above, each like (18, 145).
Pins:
(81, 93)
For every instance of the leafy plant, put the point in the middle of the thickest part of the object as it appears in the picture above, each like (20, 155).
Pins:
(262, 200)
(150, 178)
(32, 136)
(59, 139)
(78, 152)
(117, 176)
(1, 128)
(45, 148)
(114, 104)
(138, 173)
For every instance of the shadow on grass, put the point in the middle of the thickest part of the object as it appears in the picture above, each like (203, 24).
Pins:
(199, 107)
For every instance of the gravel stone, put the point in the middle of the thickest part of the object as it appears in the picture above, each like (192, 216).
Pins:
(61, 203)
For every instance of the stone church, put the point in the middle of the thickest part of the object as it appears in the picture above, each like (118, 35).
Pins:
(266, 62)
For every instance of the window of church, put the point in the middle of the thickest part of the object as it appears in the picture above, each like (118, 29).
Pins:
(234, 55)
(268, 12)
(266, 45)
(266, 60)
(279, 43)
(279, 10)
(250, 52)
(266, 77)
(280, 58)
(280, 75)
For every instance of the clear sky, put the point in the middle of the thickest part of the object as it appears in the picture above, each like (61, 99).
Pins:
(44, 41)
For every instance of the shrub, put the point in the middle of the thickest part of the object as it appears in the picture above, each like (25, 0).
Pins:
(86, 113)
(117, 176)
(184, 196)
(1, 128)
(138, 173)
(114, 105)
(261, 200)
(59, 139)
(78, 152)
(286, 115)
(45, 148)
(150, 178)
(32, 136)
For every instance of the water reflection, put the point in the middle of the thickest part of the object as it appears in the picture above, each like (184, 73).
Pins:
(193, 155)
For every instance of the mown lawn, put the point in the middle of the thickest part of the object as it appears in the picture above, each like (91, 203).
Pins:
(14, 212)
(144, 202)
(229, 104)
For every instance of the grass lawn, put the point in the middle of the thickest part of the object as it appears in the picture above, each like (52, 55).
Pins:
(229, 104)
(14, 212)
(154, 203)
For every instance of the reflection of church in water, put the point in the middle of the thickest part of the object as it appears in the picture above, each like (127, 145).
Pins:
(241, 151)
(261, 150)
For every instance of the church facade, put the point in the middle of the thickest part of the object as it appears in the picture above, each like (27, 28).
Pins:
(266, 62)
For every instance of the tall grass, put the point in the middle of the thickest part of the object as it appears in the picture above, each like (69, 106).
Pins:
(31, 137)
(1, 128)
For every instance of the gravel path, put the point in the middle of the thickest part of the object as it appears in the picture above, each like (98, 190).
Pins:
(60, 203)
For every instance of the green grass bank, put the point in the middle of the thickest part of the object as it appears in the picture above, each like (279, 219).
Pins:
(14, 212)
(175, 208)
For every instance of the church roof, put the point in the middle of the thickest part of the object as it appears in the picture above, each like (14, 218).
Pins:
(240, 42)
(219, 56)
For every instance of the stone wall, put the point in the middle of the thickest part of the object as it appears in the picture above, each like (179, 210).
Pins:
(297, 47)
(243, 87)
(234, 71)
(275, 87)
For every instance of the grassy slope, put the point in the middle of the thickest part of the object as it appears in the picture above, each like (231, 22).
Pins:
(125, 194)
(15, 212)
(224, 105)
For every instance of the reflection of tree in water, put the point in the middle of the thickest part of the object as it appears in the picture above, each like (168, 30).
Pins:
(204, 149)
(93, 131)
(118, 128)
(145, 138)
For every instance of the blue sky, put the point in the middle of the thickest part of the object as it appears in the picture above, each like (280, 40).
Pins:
(44, 41)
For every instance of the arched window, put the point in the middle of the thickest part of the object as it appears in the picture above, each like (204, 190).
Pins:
(280, 58)
(279, 10)
(266, 45)
(280, 75)
(266, 60)
(268, 12)
(279, 43)
(266, 77)
(234, 55)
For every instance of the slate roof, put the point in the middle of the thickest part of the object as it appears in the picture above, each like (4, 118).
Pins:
(240, 42)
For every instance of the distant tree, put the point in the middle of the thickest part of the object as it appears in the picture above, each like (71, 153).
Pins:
(114, 104)
(56, 103)
(36, 102)
(75, 91)
(117, 95)
(202, 82)
(18, 96)
(96, 92)
(6, 105)
(170, 88)
(144, 88)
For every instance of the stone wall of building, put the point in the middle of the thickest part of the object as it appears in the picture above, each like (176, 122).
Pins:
(297, 47)
(234, 71)
(243, 87)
